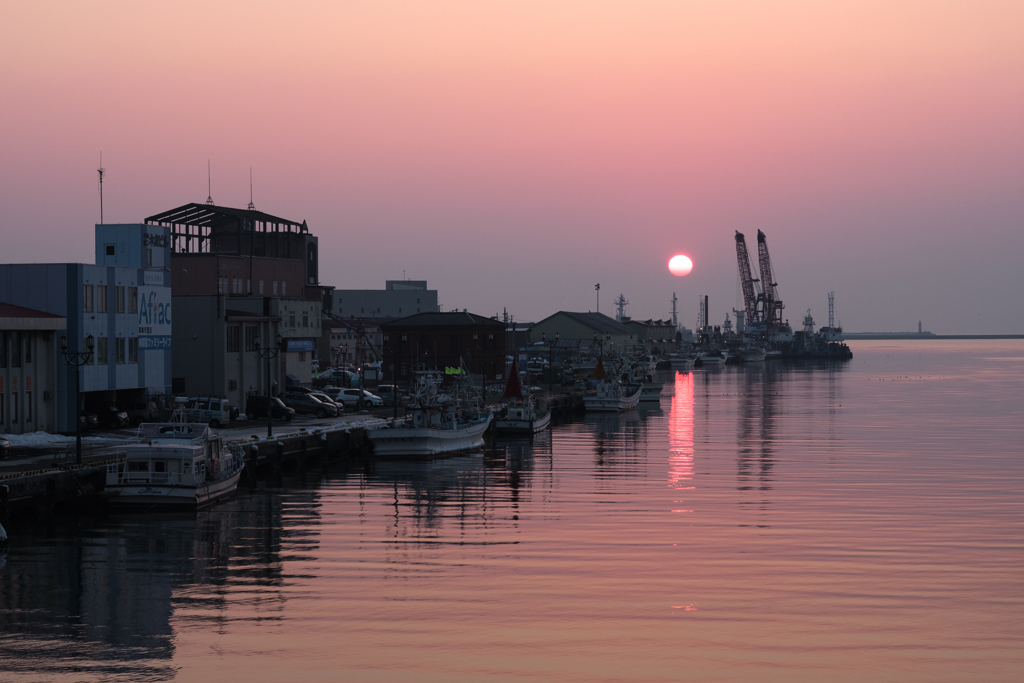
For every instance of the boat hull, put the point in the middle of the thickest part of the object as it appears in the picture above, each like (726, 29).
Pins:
(171, 496)
(611, 404)
(514, 426)
(427, 441)
(651, 392)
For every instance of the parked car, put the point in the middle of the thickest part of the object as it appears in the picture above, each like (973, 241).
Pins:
(350, 397)
(325, 398)
(88, 420)
(5, 448)
(256, 407)
(389, 393)
(304, 404)
(143, 411)
(214, 411)
(108, 414)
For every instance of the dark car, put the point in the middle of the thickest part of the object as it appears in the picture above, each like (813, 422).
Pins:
(89, 420)
(5, 448)
(256, 407)
(326, 398)
(304, 404)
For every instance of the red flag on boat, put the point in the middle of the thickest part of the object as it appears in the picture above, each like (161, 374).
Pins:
(512, 388)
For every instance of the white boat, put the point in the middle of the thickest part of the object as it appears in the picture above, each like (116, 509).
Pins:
(651, 391)
(642, 372)
(679, 362)
(176, 465)
(613, 397)
(709, 359)
(437, 424)
(431, 431)
(753, 355)
(523, 418)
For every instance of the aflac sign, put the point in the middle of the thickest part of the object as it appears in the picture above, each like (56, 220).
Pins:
(154, 318)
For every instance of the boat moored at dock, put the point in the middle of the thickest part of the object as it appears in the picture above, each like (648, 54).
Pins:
(178, 465)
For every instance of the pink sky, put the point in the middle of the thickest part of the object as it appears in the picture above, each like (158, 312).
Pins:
(513, 154)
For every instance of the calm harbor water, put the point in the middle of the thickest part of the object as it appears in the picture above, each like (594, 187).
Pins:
(850, 522)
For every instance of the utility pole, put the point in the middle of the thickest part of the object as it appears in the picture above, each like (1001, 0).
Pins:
(597, 288)
(101, 171)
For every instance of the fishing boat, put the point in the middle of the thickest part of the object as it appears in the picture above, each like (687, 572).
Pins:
(642, 372)
(611, 395)
(437, 423)
(177, 465)
(522, 415)
(753, 354)
(705, 359)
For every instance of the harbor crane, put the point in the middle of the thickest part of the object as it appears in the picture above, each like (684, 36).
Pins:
(761, 303)
(751, 286)
(772, 305)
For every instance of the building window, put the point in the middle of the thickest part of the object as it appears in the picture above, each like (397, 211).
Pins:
(101, 350)
(16, 349)
(133, 299)
(305, 319)
(222, 285)
(87, 298)
(232, 338)
(28, 406)
(119, 345)
(101, 298)
(133, 349)
(119, 299)
(109, 248)
(149, 258)
(236, 285)
(232, 385)
(275, 287)
(261, 287)
(284, 289)
(250, 338)
(291, 318)
(91, 360)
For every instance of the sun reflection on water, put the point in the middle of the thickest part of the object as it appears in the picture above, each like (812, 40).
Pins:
(680, 435)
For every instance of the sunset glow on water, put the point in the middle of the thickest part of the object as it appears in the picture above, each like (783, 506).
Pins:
(781, 522)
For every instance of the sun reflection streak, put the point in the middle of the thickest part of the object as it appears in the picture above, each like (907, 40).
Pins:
(680, 434)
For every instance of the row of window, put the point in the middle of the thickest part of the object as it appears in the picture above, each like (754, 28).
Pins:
(15, 404)
(240, 286)
(94, 297)
(19, 344)
(291, 319)
(126, 350)
(234, 337)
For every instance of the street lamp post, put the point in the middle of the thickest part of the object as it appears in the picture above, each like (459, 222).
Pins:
(269, 353)
(77, 359)
(551, 360)
(394, 374)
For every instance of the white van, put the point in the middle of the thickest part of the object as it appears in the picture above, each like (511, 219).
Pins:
(214, 411)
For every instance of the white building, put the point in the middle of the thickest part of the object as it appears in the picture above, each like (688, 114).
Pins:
(124, 304)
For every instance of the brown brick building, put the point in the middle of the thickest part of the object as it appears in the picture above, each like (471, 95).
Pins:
(429, 341)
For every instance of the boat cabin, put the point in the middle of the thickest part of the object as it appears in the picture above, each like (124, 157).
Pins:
(183, 454)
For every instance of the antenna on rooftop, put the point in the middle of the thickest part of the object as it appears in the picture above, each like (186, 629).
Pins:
(252, 207)
(209, 185)
(101, 171)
